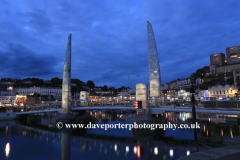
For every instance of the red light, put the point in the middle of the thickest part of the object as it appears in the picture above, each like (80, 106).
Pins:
(138, 151)
(136, 105)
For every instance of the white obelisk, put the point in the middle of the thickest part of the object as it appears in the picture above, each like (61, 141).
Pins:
(154, 68)
(66, 84)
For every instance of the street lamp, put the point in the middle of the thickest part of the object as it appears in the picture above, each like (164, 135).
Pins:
(194, 116)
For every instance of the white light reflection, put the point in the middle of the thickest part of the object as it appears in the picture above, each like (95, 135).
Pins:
(188, 152)
(7, 149)
(127, 149)
(155, 150)
(115, 147)
(171, 153)
(135, 149)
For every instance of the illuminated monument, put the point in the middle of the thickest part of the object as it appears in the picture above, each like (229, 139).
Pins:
(66, 84)
(154, 68)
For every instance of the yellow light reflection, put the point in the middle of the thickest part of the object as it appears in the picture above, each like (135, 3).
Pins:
(204, 129)
(222, 132)
(231, 134)
(7, 149)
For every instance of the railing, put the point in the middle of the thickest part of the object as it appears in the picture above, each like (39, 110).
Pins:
(51, 106)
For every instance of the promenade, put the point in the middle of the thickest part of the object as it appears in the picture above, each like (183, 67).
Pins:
(231, 151)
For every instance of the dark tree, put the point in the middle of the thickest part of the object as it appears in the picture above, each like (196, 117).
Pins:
(37, 82)
(105, 88)
(56, 82)
(78, 82)
(90, 84)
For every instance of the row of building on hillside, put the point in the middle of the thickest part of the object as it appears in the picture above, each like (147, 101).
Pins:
(180, 84)
(217, 92)
(218, 63)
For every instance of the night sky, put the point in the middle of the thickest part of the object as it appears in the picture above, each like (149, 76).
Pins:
(109, 37)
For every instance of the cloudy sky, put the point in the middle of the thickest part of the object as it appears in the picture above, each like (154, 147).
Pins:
(109, 37)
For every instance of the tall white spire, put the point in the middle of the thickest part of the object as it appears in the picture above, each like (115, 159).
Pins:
(154, 68)
(66, 85)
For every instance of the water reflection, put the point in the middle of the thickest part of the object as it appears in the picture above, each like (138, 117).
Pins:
(7, 149)
(66, 145)
(116, 143)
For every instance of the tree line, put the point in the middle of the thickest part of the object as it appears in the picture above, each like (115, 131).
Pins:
(57, 82)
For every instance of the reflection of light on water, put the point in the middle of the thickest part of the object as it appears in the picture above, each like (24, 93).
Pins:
(115, 147)
(231, 134)
(207, 132)
(204, 129)
(155, 150)
(222, 132)
(127, 149)
(209, 119)
(183, 119)
(138, 151)
(24, 133)
(6, 129)
(135, 149)
(188, 152)
(171, 153)
(7, 149)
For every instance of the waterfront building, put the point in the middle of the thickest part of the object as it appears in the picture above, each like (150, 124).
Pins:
(217, 59)
(184, 95)
(99, 91)
(171, 95)
(202, 95)
(122, 96)
(8, 93)
(222, 91)
(125, 97)
(236, 78)
(233, 54)
(39, 90)
(84, 98)
(180, 84)
(215, 69)
(166, 86)
(131, 91)
(218, 63)
(7, 100)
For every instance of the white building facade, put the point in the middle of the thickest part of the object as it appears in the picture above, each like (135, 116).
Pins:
(39, 90)
(222, 91)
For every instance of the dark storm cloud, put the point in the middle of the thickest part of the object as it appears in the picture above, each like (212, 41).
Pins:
(109, 38)
(19, 61)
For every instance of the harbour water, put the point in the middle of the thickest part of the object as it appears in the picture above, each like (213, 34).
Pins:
(19, 140)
